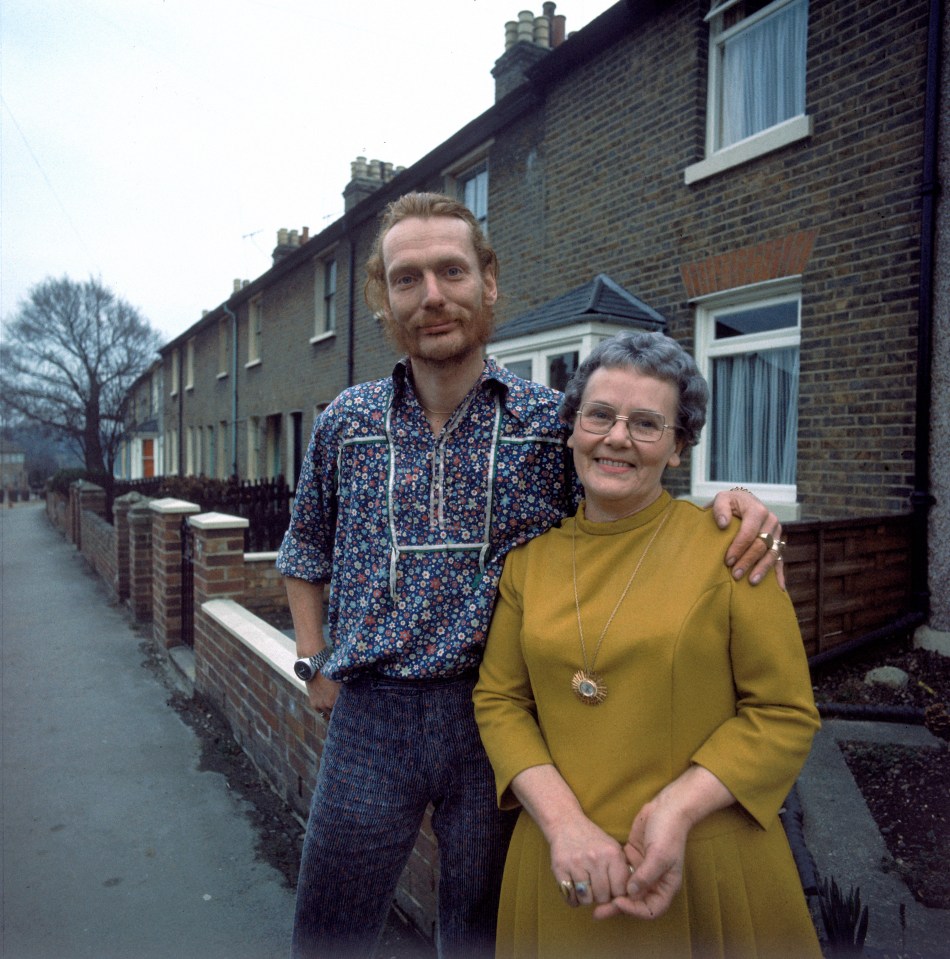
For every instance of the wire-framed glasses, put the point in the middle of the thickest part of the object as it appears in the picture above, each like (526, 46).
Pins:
(647, 426)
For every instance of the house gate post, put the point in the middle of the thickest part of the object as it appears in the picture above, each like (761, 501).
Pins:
(167, 515)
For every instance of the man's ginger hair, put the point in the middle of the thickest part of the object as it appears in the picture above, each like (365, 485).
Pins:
(424, 206)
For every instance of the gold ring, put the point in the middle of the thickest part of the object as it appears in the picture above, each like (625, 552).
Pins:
(777, 547)
(768, 538)
(567, 889)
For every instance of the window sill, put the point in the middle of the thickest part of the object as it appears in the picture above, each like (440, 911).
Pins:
(787, 511)
(791, 131)
(251, 364)
(320, 337)
(223, 376)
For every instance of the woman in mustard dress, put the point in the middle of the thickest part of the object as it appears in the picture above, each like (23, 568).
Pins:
(647, 712)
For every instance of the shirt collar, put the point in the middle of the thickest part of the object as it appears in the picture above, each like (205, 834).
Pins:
(516, 394)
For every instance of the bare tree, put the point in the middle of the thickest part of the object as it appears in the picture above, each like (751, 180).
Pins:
(68, 358)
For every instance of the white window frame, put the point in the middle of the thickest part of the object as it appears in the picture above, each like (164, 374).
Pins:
(255, 331)
(467, 168)
(325, 289)
(253, 448)
(783, 499)
(190, 364)
(224, 353)
(790, 130)
(541, 348)
(175, 374)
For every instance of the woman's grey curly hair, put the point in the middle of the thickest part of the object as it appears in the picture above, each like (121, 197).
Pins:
(654, 354)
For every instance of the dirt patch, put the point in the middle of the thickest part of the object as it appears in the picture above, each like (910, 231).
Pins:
(906, 788)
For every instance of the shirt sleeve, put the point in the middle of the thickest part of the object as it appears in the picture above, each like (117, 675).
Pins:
(306, 551)
(759, 753)
(504, 703)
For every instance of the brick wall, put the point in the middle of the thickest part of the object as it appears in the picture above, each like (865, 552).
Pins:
(594, 182)
(99, 548)
(264, 590)
(244, 666)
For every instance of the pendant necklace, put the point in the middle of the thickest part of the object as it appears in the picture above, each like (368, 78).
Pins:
(587, 685)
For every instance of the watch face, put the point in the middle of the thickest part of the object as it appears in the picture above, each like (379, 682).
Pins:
(303, 670)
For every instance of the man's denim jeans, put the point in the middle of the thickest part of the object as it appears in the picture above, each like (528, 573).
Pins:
(393, 747)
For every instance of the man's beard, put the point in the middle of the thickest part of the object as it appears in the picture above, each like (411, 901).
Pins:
(477, 330)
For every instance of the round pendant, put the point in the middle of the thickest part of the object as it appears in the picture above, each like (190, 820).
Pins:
(589, 688)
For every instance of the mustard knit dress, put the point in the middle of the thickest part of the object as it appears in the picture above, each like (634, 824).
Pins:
(698, 669)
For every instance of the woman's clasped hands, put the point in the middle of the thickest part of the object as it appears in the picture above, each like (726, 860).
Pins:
(639, 878)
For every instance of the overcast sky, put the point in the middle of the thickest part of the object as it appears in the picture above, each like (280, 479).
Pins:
(159, 145)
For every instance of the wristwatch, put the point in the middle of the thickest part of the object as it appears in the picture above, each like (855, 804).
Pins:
(307, 668)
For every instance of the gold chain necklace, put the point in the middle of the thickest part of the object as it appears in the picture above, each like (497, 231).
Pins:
(587, 685)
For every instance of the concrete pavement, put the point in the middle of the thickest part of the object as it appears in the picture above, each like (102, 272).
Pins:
(114, 844)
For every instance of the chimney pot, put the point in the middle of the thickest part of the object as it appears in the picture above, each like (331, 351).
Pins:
(558, 30)
(282, 237)
(511, 34)
(542, 31)
(235, 286)
(525, 26)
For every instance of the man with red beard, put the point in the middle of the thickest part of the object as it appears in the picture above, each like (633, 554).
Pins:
(413, 490)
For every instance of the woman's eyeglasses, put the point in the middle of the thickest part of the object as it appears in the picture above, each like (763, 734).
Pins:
(643, 425)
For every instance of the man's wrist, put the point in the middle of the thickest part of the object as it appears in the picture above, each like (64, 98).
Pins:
(307, 667)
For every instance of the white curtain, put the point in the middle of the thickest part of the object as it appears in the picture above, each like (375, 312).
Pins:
(763, 74)
(755, 418)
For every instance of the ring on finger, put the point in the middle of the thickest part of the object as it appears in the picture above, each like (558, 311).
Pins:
(581, 888)
(567, 889)
(777, 547)
(768, 539)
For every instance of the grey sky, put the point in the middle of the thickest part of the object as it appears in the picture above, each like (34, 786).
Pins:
(160, 144)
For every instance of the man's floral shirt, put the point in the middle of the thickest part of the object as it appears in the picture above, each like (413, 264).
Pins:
(412, 529)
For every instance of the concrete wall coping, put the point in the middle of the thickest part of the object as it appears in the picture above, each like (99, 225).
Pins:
(218, 521)
(171, 505)
(260, 557)
(268, 643)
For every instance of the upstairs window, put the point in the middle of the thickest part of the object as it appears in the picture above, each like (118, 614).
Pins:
(748, 350)
(190, 364)
(255, 329)
(472, 188)
(224, 351)
(324, 288)
(757, 73)
(757, 62)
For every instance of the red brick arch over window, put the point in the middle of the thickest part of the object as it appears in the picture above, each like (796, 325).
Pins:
(770, 260)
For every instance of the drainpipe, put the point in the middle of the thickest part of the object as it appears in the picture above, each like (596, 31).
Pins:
(921, 498)
(234, 388)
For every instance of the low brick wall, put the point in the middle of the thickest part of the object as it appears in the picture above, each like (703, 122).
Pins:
(264, 590)
(98, 547)
(245, 668)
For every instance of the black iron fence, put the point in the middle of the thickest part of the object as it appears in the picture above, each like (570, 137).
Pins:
(265, 504)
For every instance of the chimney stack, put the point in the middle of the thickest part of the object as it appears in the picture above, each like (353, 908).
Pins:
(527, 40)
(287, 242)
(366, 178)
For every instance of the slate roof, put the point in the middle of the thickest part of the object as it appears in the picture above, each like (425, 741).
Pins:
(601, 300)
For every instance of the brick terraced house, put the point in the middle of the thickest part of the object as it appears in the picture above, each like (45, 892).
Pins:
(758, 178)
